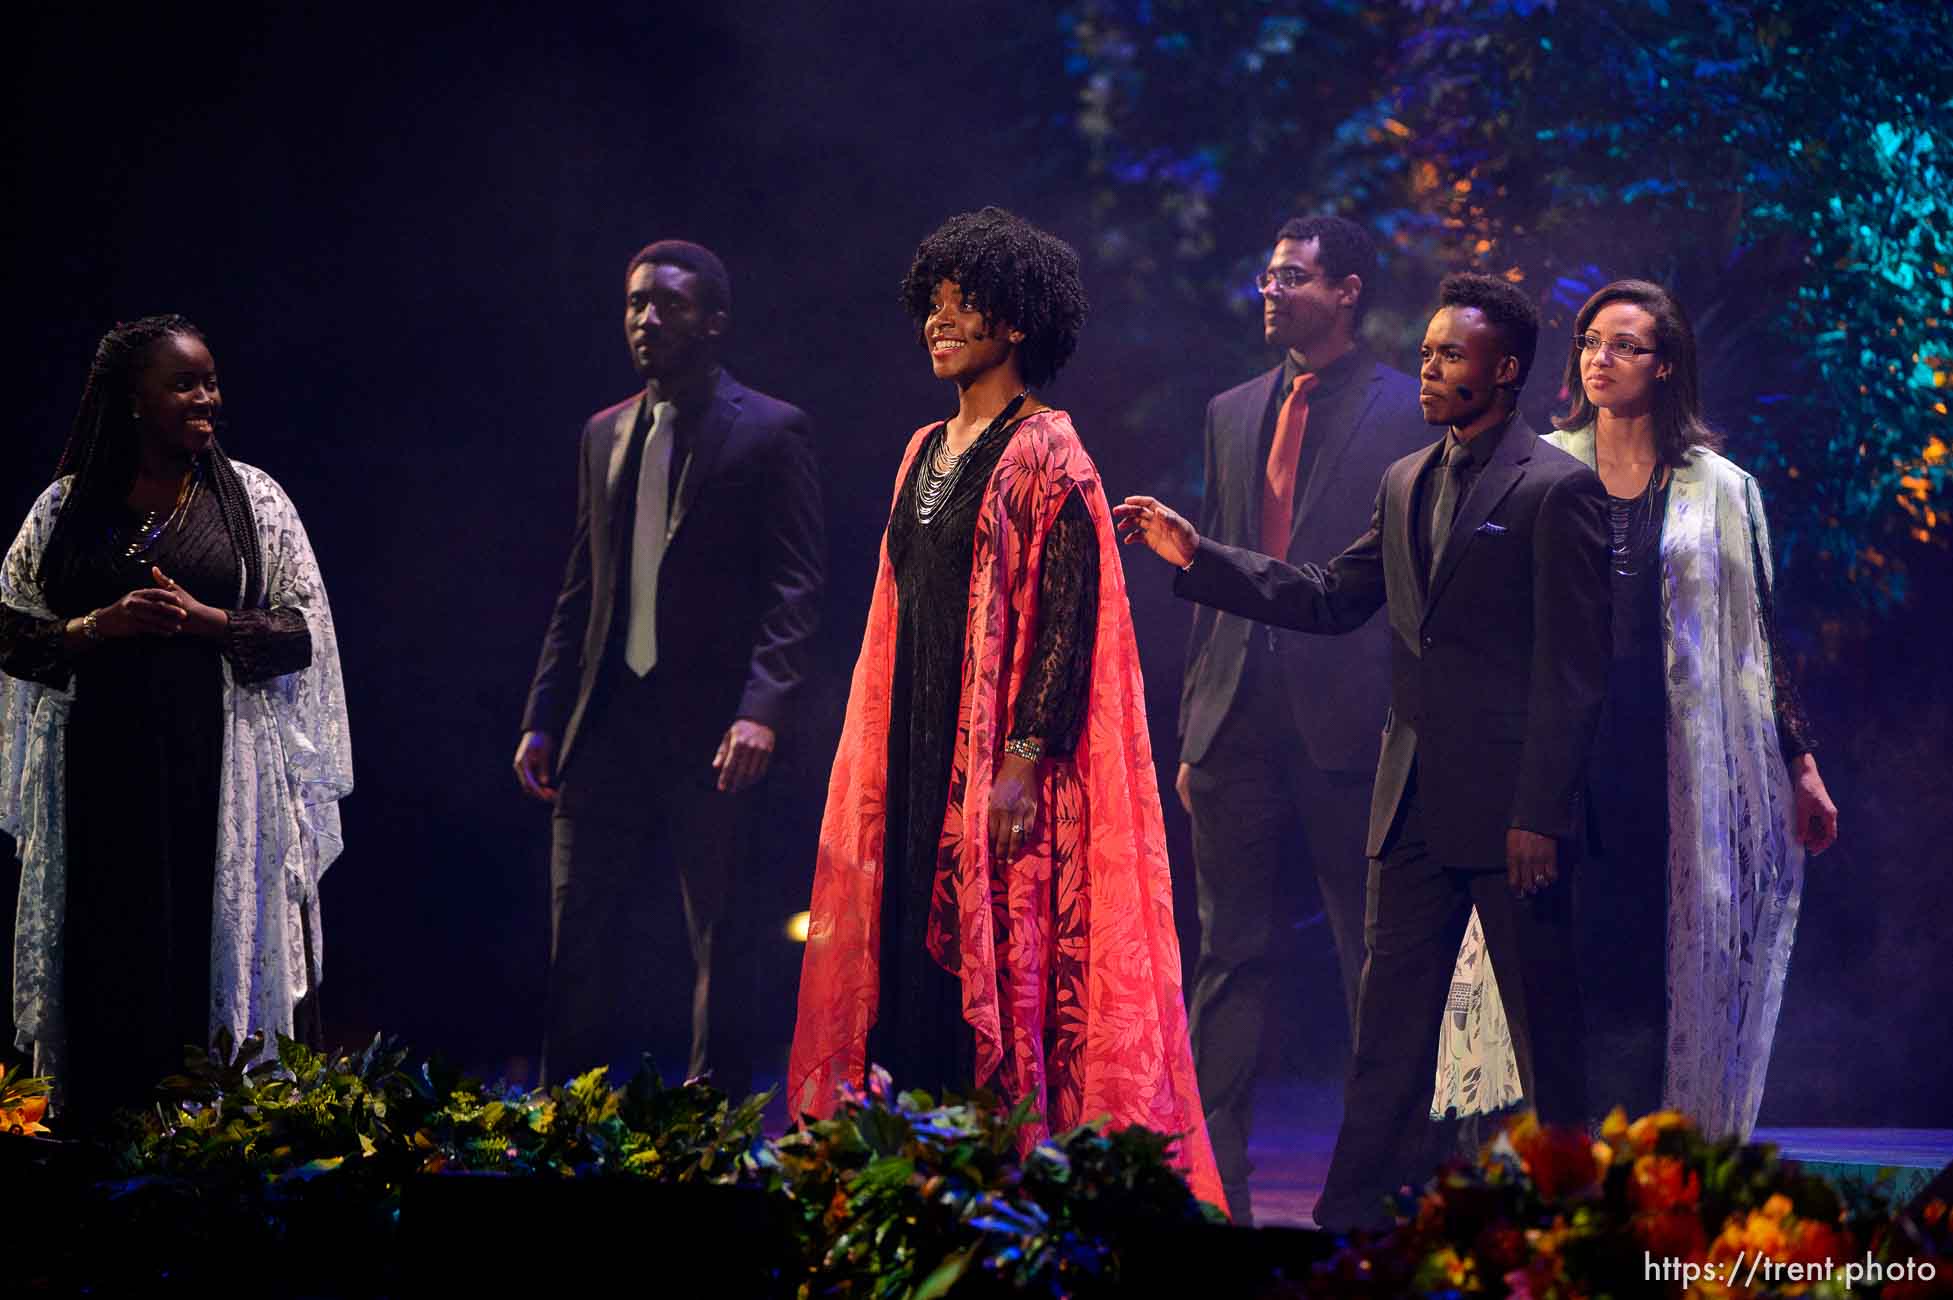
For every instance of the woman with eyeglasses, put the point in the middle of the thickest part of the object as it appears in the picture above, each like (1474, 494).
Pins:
(1704, 789)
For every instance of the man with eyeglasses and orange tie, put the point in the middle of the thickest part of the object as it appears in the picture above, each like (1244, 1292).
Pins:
(1278, 730)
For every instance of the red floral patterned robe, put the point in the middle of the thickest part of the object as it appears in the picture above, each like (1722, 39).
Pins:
(1068, 957)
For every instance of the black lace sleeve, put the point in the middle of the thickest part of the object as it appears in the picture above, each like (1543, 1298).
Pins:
(1793, 727)
(32, 649)
(267, 643)
(1051, 704)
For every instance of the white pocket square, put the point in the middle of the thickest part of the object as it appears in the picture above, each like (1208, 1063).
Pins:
(1491, 529)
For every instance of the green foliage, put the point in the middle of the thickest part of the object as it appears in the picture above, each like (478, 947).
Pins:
(1782, 166)
(904, 1196)
(891, 1197)
(367, 1119)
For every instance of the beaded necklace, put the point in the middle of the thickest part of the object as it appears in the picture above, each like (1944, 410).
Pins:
(154, 524)
(944, 467)
(1632, 527)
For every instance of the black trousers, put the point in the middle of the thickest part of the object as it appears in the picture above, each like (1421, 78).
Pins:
(1418, 908)
(649, 950)
(1252, 793)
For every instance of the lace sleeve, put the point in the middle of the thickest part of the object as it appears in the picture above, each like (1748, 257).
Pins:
(267, 643)
(32, 649)
(1051, 704)
(1793, 727)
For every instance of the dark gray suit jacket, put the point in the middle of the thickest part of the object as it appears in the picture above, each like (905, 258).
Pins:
(1338, 688)
(1498, 670)
(740, 585)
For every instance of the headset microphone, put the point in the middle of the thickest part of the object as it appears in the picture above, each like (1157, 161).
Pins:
(1464, 394)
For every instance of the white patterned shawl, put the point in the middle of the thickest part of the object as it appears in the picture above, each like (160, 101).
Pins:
(1735, 867)
(287, 763)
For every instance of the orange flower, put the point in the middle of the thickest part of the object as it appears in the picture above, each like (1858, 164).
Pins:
(1614, 1128)
(24, 1120)
(1817, 1242)
(1755, 1234)
(1560, 1160)
(1643, 1132)
(1659, 1183)
(1672, 1234)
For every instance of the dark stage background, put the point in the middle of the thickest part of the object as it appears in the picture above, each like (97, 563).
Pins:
(406, 248)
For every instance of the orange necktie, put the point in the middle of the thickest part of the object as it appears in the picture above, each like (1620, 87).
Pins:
(1278, 489)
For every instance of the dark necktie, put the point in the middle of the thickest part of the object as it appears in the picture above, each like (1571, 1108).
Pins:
(1284, 456)
(1444, 505)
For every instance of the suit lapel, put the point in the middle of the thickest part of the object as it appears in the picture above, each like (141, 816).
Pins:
(1494, 481)
(1331, 449)
(1249, 453)
(708, 443)
(1398, 541)
(611, 527)
(620, 446)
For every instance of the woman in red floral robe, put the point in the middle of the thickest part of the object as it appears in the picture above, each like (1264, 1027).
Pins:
(992, 905)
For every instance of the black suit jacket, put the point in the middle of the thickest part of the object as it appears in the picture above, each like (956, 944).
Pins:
(1338, 688)
(1497, 671)
(740, 584)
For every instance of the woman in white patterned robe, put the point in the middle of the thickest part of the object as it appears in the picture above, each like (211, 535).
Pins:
(173, 740)
(1703, 763)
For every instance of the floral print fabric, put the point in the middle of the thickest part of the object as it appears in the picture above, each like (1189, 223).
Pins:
(287, 763)
(1068, 957)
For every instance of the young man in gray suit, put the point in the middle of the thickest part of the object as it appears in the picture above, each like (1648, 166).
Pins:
(1278, 731)
(1489, 551)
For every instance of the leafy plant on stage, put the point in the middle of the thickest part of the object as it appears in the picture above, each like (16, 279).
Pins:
(1549, 1212)
(23, 1102)
(367, 1117)
(1783, 166)
(897, 1195)
(893, 1193)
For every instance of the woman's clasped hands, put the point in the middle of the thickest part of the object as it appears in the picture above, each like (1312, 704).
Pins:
(163, 610)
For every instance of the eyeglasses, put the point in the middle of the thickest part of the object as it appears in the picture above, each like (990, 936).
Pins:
(1619, 349)
(1288, 277)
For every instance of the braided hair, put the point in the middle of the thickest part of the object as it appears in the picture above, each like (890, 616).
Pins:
(103, 451)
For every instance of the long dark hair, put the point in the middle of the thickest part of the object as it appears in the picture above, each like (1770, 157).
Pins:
(103, 451)
(1679, 426)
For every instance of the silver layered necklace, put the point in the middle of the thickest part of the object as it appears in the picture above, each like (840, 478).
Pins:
(1632, 527)
(945, 467)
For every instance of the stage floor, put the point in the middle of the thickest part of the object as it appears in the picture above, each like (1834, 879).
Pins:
(1295, 1129)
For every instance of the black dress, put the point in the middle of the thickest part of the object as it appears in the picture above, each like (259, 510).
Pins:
(920, 1035)
(145, 750)
(1622, 893)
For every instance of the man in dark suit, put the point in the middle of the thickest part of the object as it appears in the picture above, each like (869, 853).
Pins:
(1489, 551)
(1278, 731)
(675, 647)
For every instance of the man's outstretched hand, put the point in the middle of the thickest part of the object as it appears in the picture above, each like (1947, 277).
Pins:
(1165, 532)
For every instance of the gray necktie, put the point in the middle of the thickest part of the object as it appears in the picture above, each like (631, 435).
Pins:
(1445, 504)
(648, 538)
